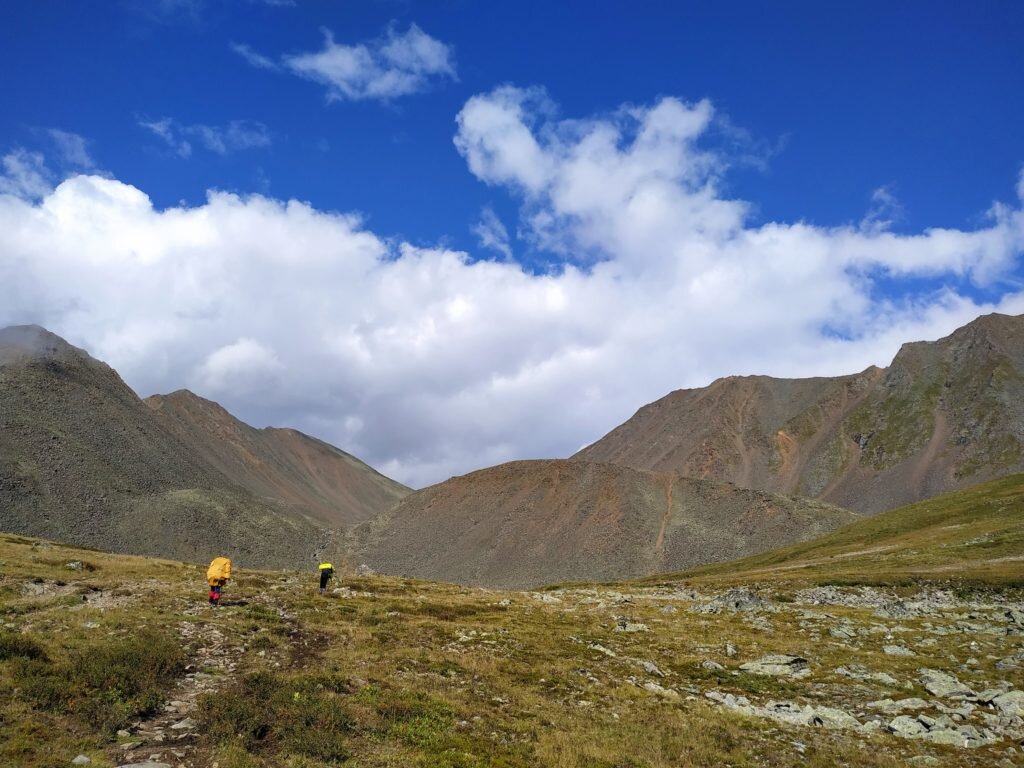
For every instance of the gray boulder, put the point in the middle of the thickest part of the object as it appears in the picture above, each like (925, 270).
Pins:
(945, 685)
(1010, 703)
(890, 706)
(907, 727)
(829, 717)
(777, 665)
(897, 650)
(652, 669)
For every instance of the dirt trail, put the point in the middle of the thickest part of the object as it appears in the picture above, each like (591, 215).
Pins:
(171, 736)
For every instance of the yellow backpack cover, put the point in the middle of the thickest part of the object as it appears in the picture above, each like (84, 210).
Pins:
(219, 571)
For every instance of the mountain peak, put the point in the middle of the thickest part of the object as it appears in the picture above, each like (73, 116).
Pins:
(994, 327)
(20, 343)
(187, 399)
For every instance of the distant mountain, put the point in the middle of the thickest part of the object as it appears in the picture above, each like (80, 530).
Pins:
(944, 415)
(84, 460)
(333, 486)
(529, 523)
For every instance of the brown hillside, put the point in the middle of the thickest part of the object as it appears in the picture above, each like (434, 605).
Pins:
(83, 460)
(284, 464)
(944, 415)
(529, 523)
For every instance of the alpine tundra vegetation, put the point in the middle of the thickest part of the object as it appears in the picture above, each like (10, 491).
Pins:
(898, 640)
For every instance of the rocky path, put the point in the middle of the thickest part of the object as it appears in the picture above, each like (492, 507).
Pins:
(169, 739)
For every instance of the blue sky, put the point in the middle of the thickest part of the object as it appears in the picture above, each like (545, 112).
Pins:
(868, 155)
(924, 98)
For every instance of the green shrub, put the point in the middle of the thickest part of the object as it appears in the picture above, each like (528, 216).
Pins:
(230, 717)
(42, 685)
(262, 613)
(19, 646)
(262, 642)
(303, 717)
(106, 683)
(130, 667)
(316, 725)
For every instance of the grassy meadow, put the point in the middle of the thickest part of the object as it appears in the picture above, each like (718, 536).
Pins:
(121, 660)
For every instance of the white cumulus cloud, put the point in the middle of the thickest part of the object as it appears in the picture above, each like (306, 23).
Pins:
(426, 362)
(244, 366)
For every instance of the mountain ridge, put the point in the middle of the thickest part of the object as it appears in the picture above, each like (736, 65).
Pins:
(84, 460)
(331, 485)
(943, 415)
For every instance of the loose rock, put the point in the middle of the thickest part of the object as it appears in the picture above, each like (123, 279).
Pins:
(1010, 704)
(897, 650)
(624, 625)
(652, 669)
(778, 665)
(888, 705)
(945, 685)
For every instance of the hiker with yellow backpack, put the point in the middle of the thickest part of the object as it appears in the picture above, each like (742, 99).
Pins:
(217, 575)
(326, 571)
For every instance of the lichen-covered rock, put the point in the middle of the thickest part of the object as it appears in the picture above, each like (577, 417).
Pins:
(1010, 703)
(897, 650)
(944, 684)
(907, 727)
(890, 706)
(778, 665)
(623, 624)
(829, 717)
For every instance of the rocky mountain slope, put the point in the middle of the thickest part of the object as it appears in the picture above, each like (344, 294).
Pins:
(84, 460)
(943, 415)
(333, 486)
(529, 523)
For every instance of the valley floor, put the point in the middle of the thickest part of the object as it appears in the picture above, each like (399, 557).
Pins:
(120, 660)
